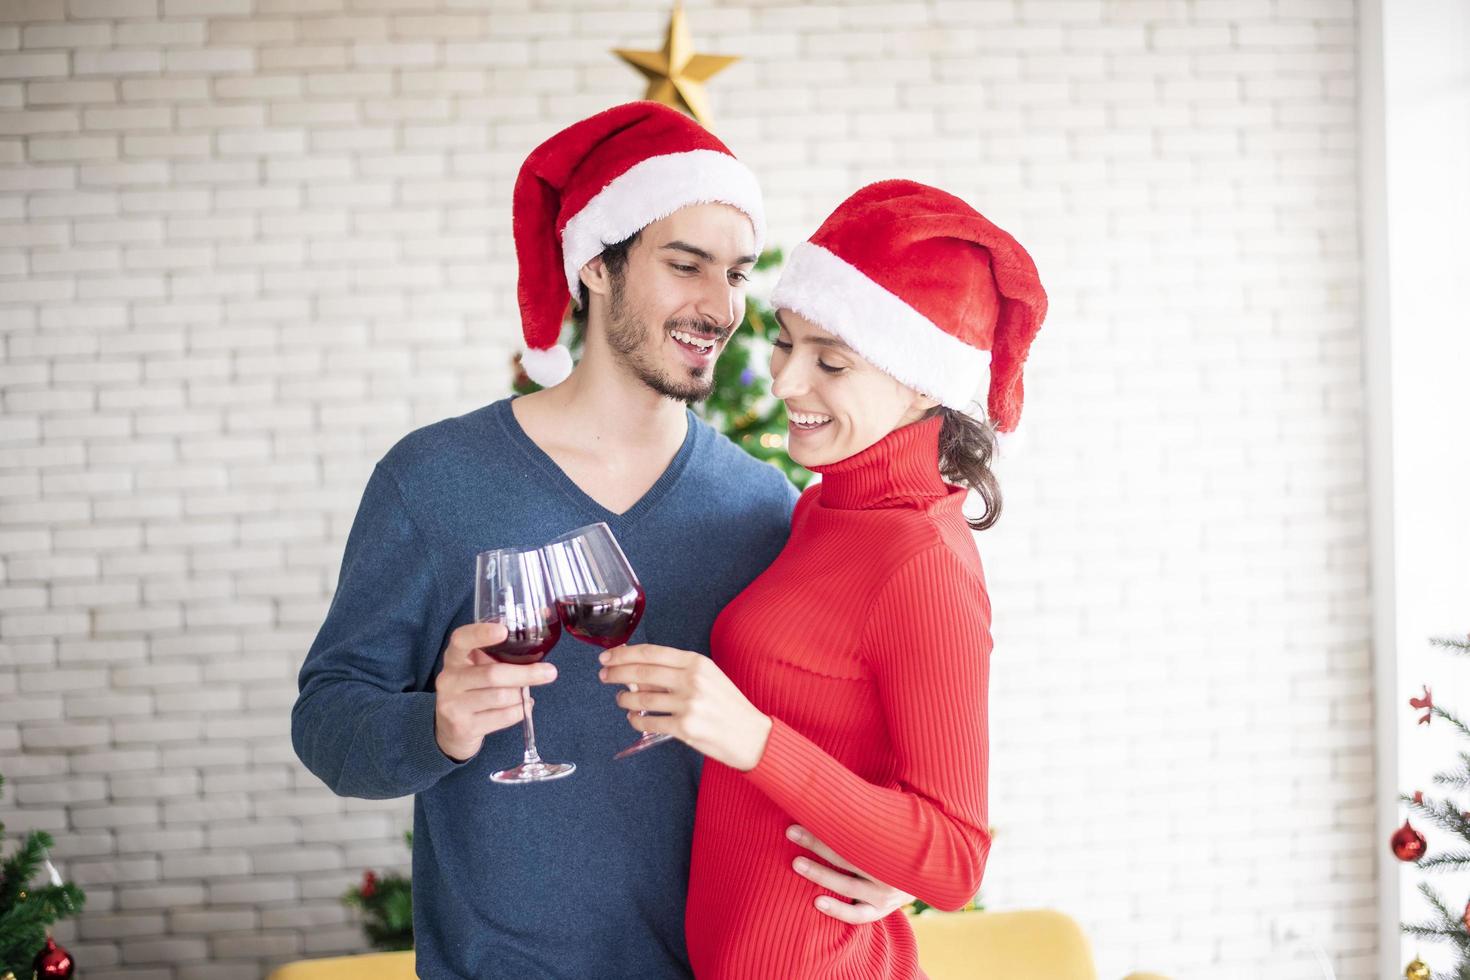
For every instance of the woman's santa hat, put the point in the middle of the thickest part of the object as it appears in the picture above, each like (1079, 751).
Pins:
(924, 288)
(599, 182)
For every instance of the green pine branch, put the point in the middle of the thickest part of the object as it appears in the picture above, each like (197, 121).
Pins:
(1439, 712)
(1449, 928)
(27, 911)
(1458, 778)
(1453, 643)
(1452, 861)
(1443, 812)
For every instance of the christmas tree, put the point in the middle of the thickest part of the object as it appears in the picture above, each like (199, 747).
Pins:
(741, 405)
(26, 911)
(1409, 845)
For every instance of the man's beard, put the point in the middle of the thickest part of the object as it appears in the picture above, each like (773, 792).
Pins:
(628, 339)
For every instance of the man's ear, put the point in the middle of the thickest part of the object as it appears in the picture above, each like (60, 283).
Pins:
(595, 277)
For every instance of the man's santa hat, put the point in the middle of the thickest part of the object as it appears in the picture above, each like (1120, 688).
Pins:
(924, 288)
(601, 181)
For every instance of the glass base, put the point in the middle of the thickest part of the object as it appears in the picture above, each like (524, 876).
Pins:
(534, 772)
(648, 740)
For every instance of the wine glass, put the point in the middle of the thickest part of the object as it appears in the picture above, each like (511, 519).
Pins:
(511, 588)
(598, 595)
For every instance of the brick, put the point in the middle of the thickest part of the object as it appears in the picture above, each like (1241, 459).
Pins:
(33, 65)
(44, 736)
(209, 60)
(66, 36)
(161, 897)
(121, 926)
(164, 950)
(38, 121)
(118, 62)
(207, 8)
(128, 118)
(170, 90)
(112, 9)
(70, 92)
(162, 33)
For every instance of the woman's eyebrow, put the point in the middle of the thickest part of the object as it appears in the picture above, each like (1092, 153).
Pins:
(833, 342)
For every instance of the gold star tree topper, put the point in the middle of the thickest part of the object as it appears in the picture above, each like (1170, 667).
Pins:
(676, 75)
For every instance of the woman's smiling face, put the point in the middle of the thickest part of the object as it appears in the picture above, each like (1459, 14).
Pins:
(837, 404)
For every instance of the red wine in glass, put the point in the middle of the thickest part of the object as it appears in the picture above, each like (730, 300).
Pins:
(513, 589)
(601, 618)
(526, 644)
(598, 596)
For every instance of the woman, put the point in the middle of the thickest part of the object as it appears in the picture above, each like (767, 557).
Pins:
(847, 686)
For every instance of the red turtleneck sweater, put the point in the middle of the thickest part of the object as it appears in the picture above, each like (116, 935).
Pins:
(868, 643)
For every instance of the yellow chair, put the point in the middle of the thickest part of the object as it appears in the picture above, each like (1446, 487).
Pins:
(1031, 945)
(1036, 944)
(369, 966)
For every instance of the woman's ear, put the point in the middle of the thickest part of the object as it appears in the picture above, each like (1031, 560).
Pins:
(922, 403)
(919, 406)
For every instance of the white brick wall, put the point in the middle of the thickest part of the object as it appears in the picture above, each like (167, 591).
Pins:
(246, 244)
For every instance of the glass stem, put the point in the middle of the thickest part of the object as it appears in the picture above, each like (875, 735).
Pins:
(532, 758)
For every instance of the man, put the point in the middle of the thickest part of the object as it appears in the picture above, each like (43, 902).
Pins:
(582, 877)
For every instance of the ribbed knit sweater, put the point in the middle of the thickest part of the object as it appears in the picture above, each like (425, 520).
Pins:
(868, 643)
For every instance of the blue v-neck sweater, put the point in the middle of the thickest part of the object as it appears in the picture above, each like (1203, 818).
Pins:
(578, 878)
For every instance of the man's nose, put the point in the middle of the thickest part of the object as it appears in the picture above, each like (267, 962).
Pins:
(721, 302)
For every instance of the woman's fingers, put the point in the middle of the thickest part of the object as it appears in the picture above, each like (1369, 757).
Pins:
(644, 675)
(647, 699)
(645, 653)
(659, 724)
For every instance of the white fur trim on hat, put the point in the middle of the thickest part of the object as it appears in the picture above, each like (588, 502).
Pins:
(888, 333)
(652, 189)
(547, 367)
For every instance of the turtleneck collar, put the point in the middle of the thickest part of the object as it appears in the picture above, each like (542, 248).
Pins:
(902, 467)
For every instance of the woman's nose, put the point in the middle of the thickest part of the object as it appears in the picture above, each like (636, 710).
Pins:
(788, 380)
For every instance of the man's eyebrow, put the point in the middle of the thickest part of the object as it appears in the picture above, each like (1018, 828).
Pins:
(700, 253)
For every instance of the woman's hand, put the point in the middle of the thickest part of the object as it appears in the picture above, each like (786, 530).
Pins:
(699, 705)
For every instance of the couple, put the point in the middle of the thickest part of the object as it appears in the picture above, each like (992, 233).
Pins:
(842, 709)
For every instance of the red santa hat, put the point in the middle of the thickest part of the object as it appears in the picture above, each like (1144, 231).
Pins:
(924, 288)
(597, 183)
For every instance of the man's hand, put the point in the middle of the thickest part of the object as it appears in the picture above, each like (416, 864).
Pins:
(868, 900)
(476, 695)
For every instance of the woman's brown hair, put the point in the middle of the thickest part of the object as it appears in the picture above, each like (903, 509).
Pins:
(966, 447)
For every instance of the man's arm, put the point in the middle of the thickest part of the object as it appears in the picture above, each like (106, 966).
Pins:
(868, 899)
(366, 721)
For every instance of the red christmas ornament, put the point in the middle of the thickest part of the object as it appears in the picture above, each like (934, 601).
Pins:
(1419, 796)
(369, 884)
(53, 961)
(1407, 843)
(1466, 917)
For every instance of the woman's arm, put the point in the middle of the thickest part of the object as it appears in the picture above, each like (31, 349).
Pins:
(927, 641)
